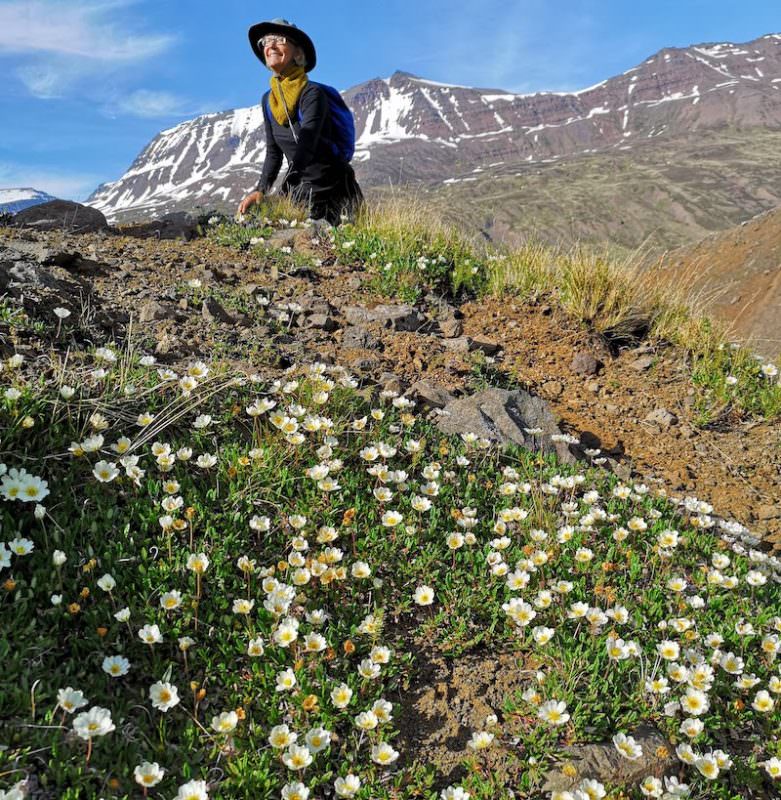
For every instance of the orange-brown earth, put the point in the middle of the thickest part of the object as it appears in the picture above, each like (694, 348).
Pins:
(738, 274)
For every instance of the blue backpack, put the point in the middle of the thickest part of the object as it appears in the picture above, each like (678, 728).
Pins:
(342, 123)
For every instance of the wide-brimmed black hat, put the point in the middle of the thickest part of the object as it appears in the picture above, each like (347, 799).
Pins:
(284, 28)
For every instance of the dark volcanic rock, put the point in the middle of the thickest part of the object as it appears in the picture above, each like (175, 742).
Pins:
(502, 416)
(399, 318)
(62, 215)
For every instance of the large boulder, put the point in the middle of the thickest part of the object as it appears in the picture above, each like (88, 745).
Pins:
(506, 417)
(175, 225)
(62, 215)
(603, 762)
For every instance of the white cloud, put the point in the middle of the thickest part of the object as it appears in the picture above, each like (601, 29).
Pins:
(59, 183)
(84, 30)
(58, 49)
(152, 104)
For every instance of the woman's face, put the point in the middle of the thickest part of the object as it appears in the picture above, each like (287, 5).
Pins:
(279, 56)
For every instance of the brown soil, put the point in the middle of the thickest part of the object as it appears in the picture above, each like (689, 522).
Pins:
(738, 271)
(452, 699)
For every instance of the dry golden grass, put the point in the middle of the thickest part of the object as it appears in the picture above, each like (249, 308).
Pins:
(617, 295)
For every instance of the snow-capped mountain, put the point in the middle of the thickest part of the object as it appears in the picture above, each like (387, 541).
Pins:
(14, 200)
(414, 130)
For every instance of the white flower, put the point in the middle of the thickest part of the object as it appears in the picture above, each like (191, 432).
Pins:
(242, 606)
(368, 669)
(627, 746)
(295, 791)
(772, 767)
(255, 647)
(164, 696)
(480, 740)
(95, 722)
(286, 680)
(553, 712)
(367, 721)
(424, 595)
(383, 754)
(763, 702)
(171, 600)
(198, 562)
(454, 793)
(150, 634)
(281, 736)
(341, 695)
(225, 722)
(317, 739)
(107, 583)
(707, 766)
(297, 757)
(148, 774)
(651, 787)
(347, 786)
(105, 471)
(116, 666)
(192, 790)
(69, 699)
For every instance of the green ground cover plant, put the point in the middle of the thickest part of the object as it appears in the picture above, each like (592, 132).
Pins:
(215, 585)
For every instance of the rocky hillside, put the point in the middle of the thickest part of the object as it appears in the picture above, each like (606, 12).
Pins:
(295, 298)
(738, 274)
(661, 194)
(411, 130)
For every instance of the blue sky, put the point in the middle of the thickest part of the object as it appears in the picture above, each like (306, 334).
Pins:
(87, 83)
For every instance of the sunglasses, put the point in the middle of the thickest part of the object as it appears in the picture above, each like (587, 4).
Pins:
(272, 38)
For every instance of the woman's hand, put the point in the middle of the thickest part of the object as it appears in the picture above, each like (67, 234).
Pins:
(250, 201)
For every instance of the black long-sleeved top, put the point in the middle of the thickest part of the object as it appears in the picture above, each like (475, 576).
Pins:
(311, 160)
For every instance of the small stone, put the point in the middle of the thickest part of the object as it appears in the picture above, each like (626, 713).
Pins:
(486, 346)
(662, 417)
(451, 328)
(357, 336)
(152, 310)
(322, 321)
(430, 394)
(585, 363)
(461, 344)
(643, 363)
(593, 387)
(766, 512)
(212, 311)
(391, 383)
(552, 388)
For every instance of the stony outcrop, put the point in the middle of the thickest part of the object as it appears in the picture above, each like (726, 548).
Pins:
(61, 215)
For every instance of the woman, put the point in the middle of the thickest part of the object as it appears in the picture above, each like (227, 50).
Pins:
(298, 124)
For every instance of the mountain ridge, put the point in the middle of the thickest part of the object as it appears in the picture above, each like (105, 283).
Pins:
(412, 130)
(15, 199)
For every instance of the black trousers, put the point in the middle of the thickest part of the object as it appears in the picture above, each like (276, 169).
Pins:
(342, 196)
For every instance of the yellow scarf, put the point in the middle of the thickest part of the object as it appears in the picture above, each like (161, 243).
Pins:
(290, 84)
